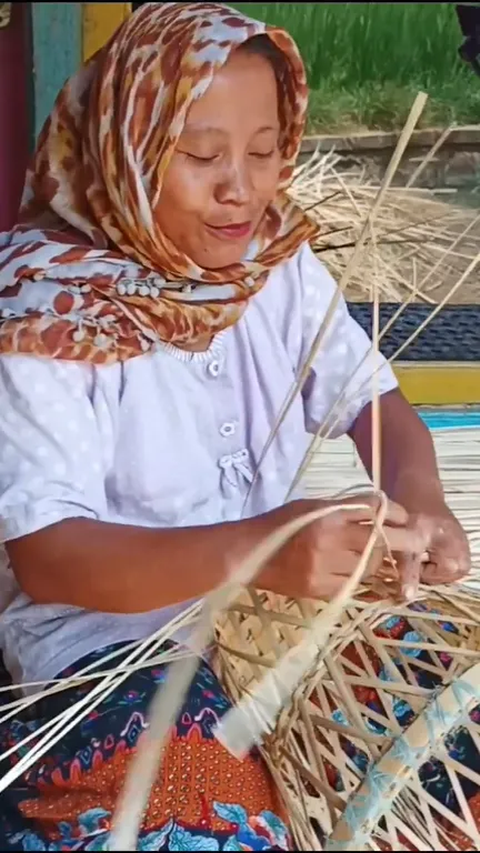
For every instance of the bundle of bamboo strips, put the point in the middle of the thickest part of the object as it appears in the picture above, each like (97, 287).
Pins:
(425, 239)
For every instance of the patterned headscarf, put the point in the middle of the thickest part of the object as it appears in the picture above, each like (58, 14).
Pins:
(87, 274)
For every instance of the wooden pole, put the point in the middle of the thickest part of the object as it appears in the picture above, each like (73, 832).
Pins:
(15, 70)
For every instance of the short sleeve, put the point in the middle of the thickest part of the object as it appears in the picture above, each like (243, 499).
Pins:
(345, 365)
(50, 451)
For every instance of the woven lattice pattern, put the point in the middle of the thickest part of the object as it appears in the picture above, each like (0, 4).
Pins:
(342, 719)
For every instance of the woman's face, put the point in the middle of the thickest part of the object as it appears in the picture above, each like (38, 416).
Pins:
(225, 169)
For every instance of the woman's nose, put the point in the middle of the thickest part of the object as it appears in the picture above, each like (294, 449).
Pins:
(235, 186)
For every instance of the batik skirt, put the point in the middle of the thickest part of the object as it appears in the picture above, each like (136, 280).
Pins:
(204, 798)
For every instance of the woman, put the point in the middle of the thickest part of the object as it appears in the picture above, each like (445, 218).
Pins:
(159, 298)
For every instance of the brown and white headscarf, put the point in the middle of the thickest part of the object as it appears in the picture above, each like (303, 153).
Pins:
(87, 274)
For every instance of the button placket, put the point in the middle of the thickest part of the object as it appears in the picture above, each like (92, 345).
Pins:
(234, 463)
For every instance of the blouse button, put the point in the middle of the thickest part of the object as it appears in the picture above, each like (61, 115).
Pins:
(214, 368)
(227, 430)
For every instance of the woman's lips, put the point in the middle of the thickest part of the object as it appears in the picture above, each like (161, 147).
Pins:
(231, 232)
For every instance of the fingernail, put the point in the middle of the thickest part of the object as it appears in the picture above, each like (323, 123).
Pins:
(409, 592)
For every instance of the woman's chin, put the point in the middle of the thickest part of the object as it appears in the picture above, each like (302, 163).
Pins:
(220, 258)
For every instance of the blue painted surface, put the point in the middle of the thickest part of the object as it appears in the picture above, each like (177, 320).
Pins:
(57, 52)
(451, 419)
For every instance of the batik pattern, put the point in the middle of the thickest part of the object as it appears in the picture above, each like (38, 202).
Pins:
(203, 799)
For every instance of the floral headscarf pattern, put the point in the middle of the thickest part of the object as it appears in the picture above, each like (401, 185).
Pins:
(87, 274)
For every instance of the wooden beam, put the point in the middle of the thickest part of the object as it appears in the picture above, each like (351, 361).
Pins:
(57, 52)
(440, 384)
(15, 109)
(99, 22)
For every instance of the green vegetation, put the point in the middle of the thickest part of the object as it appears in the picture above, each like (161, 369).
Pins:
(367, 61)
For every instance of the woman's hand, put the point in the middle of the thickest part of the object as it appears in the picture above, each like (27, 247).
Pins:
(409, 473)
(319, 559)
(447, 548)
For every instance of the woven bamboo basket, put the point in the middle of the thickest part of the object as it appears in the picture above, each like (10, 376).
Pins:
(383, 697)
(349, 771)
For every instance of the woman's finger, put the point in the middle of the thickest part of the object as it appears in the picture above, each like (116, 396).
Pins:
(395, 514)
(326, 586)
(344, 563)
(431, 574)
(409, 567)
(405, 541)
(387, 571)
(393, 539)
(444, 571)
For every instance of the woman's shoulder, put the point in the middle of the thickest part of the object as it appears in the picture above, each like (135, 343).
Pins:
(296, 289)
(303, 273)
(21, 373)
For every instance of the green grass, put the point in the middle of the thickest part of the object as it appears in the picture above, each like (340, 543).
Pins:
(367, 61)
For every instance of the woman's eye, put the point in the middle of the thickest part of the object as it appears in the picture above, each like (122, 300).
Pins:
(203, 159)
(263, 156)
(259, 155)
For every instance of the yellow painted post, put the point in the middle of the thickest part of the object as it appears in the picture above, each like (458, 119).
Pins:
(440, 384)
(99, 22)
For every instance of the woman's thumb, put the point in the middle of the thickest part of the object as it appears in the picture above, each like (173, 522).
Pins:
(409, 568)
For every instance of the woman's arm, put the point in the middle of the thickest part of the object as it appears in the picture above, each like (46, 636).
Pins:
(53, 511)
(409, 470)
(125, 569)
